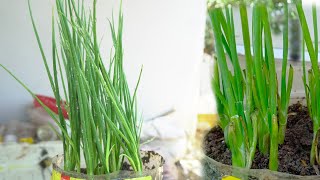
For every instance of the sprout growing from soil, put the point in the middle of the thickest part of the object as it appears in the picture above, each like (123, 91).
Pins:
(311, 79)
(251, 111)
(104, 124)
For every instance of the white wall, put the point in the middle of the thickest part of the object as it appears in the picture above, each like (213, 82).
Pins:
(276, 38)
(166, 37)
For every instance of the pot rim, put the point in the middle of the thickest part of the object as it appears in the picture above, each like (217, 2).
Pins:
(261, 173)
(144, 173)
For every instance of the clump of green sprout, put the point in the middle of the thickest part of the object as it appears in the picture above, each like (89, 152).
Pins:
(311, 78)
(251, 111)
(104, 124)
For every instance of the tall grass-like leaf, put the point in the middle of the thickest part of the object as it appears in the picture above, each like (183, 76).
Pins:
(311, 77)
(248, 100)
(104, 125)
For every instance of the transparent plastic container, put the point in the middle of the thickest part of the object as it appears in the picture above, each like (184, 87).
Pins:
(213, 170)
(152, 170)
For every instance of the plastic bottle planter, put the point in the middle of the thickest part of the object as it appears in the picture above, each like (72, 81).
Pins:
(213, 170)
(152, 170)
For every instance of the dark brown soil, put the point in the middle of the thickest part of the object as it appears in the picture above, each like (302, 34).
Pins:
(293, 154)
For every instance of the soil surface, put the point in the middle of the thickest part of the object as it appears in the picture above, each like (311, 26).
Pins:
(293, 154)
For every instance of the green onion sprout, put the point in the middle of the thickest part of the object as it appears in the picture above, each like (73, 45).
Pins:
(104, 123)
(251, 111)
(311, 78)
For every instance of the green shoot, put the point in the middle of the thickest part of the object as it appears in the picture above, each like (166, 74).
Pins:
(104, 125)
(311, 78)
(252, 112)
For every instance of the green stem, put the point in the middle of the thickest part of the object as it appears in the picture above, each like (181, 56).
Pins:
(273, 161)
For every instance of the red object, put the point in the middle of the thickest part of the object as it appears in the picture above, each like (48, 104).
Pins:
(64, 177)
(51, 103)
